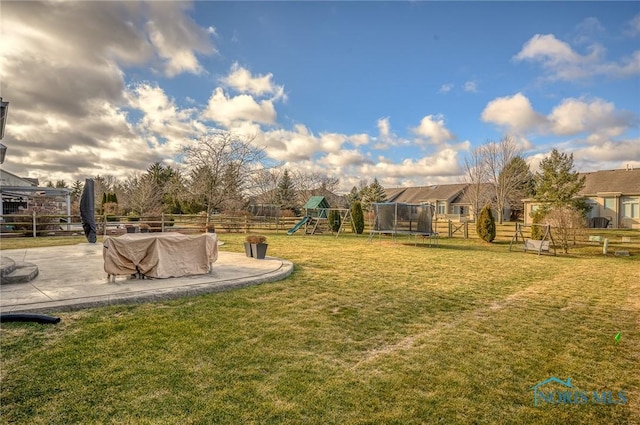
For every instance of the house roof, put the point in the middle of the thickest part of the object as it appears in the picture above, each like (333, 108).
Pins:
(14, 180)
(414, 195)
(626, 182)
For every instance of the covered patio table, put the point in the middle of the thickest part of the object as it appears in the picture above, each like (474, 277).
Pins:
(159, 255)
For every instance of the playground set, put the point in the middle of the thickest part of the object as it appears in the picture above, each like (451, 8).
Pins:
(395, 218)
(317, 215)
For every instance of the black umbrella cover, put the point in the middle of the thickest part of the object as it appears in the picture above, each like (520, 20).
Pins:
(88, 210)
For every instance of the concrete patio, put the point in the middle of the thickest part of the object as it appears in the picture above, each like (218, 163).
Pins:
(72, 277)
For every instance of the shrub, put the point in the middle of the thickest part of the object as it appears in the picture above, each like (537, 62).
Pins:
(357, 217)
(255, 239)
(334, 220)
(537, 217)
(486, 225)
(566, 222)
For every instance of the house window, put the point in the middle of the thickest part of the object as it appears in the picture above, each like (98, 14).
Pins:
(442, 208)
(631, 207)
(610, 204)
(594, 211)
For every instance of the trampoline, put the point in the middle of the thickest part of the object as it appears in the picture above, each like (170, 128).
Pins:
(395, 218)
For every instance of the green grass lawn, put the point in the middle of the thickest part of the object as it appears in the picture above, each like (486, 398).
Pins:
(360, 333)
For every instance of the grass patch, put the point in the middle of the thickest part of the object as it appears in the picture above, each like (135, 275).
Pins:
(360, 333)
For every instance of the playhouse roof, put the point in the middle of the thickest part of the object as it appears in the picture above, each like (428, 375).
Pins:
(317, 202)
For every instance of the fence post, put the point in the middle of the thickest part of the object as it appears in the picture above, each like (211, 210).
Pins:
(450, 229)
(162, 222)
(466, 230)
(34, 224)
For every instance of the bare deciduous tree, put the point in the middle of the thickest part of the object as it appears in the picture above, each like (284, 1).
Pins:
(263, 184)
(220, 164)
(565, 222)
(314, 183)
(476, 176)
(141, 194)
(505, 179)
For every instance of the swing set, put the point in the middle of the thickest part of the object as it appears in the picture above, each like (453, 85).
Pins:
(542, 246)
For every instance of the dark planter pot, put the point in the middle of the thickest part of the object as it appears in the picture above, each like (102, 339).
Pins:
(131, 229)
(259, 250)
(144, 230)
(247, 249)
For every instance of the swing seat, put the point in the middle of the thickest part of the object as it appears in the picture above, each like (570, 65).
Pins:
(536, 245)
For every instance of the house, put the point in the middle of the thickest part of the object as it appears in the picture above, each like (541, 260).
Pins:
(612, 194)
(451, 201)
(19, 193)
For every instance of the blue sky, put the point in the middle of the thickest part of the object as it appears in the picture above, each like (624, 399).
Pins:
(399, 91)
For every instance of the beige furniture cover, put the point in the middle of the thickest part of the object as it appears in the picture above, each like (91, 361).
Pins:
(160, 255)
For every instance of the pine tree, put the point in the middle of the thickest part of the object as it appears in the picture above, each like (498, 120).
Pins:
(285, 192)
(372, 194)
(76, 190)
(486, 224)
(557, 184)
(357, 217)
(353, 196)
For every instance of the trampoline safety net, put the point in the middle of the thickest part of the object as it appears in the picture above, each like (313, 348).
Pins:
(394, 217)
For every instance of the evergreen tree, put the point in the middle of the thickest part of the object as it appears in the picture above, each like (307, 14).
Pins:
(285, 192)
(556, 184)
(486, 224)
(353, 196)
(520, 183)
(334, 220)
(76, 190)
(371, 194)
(357, 217)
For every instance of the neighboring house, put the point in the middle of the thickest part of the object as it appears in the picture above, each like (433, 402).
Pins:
(18, 193)
(612, 194)
(451, 201)
(12, 199)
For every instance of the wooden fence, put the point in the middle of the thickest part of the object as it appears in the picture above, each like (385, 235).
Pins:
(35, 225)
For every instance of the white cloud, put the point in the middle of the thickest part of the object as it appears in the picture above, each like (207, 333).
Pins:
(344, 158)
(471, 87)
(587, 30)
(384, 128)
(446, 88)
(633, 27)
(386, 137)
(163, 118)
(443, 163)
(176, 38)
(514, 113)
(241, 80)
(65, 64)
(225, 110)
(561, 62)
(596, 116)
(432, 127)
(359, 139)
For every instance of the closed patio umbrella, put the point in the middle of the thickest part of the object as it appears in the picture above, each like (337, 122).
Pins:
(87, 211)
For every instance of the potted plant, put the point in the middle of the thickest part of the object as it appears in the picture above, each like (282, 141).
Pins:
(257, 245)
(144, 228)
(209, 228)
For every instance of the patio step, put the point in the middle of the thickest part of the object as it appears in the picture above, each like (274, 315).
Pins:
(17, 272)
(7, 266)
